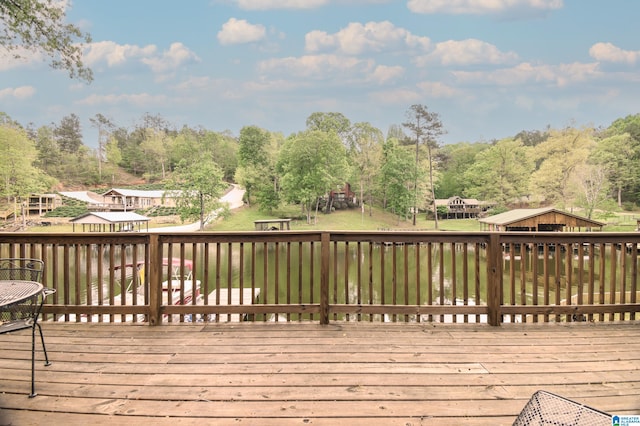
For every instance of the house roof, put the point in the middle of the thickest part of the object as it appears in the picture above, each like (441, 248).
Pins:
(85, 196)
(467, 201)
(518, 215)
(137, 193)
(109, 217)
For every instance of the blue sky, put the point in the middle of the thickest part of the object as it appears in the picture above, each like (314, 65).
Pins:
(490, 68)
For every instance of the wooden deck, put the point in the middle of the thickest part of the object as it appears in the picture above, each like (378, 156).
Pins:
(297, 373)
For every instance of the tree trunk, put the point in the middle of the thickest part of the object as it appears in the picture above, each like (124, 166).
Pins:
(201, 212)
(619, 196)
(433, 191)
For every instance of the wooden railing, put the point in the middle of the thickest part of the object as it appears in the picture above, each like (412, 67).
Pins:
(336, 276)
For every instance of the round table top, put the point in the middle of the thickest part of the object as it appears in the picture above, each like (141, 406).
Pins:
(14, 291)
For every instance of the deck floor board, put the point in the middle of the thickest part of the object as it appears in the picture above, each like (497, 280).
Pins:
(299, 373)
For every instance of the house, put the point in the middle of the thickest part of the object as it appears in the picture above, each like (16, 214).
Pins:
(341, 198)
(124, 200)
(463, 208)
(42, 203)
(134, 199)
(542, 219)
(110, 222)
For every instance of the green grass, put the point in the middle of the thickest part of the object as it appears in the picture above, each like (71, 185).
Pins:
(242, 220)
(340, 220)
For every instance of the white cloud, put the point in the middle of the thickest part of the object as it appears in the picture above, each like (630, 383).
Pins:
(357, 38)
(466, 52)
(383, 74)
(436, 89)
(525, 73)
(608, 52)
(137, 99)
(480, 7)
(397, 97)
(275, 86)
(280, 4)
(22, 92)
(316, 66)
(239, 31)
(115, 54)
(171, 59)
(8, 60)
(298, 4)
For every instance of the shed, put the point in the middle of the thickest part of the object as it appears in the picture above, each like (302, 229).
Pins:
(543, 219)
(272, 224)
(111, 222)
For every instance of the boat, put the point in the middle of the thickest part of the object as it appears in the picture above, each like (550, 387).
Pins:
(178, 288)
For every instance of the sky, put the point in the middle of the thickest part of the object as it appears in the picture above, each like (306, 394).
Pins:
(489, 68)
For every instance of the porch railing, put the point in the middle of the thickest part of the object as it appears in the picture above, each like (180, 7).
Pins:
(336, 276)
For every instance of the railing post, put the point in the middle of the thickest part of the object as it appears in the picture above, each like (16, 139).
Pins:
(155, 295)
(494, 279)
(325, 245)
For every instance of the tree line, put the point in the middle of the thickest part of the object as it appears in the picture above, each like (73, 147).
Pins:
(402, 171)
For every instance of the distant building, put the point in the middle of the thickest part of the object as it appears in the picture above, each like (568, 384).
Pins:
(42, 203)
(124, 200)
(543, 219)
(340, 198)
(111, 222)
(134, 199)
(463, 208)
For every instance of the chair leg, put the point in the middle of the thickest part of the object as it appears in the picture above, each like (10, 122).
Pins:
(44, 348)
(33, 356)
(33, 361)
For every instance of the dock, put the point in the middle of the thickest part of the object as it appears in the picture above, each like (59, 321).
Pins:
(236, 297)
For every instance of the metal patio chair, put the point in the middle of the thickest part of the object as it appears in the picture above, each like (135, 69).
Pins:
(545, 408)
(24, 313)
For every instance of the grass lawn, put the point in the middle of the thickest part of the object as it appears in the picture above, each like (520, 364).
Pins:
(341, 220)
(242, 220)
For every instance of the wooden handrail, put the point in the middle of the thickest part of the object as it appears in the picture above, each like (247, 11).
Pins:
(320, 275)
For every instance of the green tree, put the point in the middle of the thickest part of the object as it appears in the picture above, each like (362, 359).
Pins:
(618, 155)
(113, 157)
(104, 126)
(50, 158)
(365, 153)
(252, 158)
(156, 147)
(533, 137)
(500, 173)
(330, 122)
(397, 178)
(396, 131)
(197, 188)
(592, 187)
(425, 127)
(621, 155)
(18, 176)
(455, 160)
(560, 156)
(39, 26)
(311, 164)
(68, 134)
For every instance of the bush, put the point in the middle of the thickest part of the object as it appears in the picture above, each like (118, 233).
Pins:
(67, 211)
